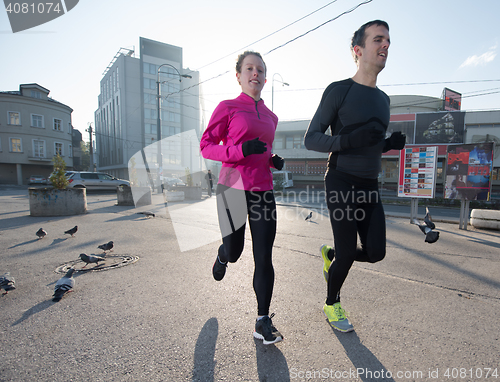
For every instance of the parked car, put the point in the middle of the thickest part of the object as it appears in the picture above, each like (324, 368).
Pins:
(95, 181)
(170, 183)
(38, 179)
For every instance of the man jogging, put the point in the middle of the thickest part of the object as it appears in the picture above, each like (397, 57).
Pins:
(357, 113)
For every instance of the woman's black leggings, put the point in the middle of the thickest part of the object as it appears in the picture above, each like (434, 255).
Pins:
(355, 208)
(261, 211)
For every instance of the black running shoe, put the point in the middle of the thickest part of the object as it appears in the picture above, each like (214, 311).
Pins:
(265, 330)
(219, 269)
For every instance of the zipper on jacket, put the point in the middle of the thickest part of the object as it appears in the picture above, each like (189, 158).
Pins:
(257, 109)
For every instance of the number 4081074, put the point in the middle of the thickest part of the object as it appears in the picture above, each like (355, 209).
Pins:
(32, 8)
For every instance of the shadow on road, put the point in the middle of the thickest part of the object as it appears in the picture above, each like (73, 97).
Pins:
(362, 358)
(36, 309)
(271, 363)
(204, 352)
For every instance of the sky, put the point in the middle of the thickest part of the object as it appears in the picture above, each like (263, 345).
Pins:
(434, 44)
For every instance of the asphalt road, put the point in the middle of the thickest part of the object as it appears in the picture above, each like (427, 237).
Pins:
(426, 312)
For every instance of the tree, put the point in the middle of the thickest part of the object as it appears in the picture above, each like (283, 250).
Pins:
(85, 158)
(58, 177)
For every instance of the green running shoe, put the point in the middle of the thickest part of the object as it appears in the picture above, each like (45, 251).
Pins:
(326, 261)
(337, 317)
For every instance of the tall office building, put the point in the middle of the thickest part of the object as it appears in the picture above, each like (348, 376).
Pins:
(126, 120)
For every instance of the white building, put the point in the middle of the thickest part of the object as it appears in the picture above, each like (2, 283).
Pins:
(126, 120)
(33, 129)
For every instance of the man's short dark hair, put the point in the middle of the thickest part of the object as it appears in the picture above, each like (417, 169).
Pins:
(359, 37)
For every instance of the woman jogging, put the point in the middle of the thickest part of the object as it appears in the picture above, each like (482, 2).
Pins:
(246, 128)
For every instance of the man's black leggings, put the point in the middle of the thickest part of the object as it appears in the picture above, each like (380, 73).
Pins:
(261, 210)
(355, 208)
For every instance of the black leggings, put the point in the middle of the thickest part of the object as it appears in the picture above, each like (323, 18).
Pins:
(261, 211)
(355, 208)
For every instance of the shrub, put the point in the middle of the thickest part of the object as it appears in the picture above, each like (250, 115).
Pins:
(57, 178)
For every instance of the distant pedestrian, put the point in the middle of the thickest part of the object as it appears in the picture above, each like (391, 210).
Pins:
(246, 128)
(357, 113)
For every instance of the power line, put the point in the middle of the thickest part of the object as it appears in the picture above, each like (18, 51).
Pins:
(269, 35)
(319, 26)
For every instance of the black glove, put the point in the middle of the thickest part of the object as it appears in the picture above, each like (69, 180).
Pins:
(396, 141)
(253, 147)
(278, 162)
(363, 137)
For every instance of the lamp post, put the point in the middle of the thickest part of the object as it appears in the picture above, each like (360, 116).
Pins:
(272, 87)
(158, 120)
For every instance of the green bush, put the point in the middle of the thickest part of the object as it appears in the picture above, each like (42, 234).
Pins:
(57, 178)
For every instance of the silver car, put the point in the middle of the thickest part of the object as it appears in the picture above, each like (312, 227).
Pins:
(95, 181)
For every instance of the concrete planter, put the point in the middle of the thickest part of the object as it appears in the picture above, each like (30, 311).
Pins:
(54, 202)
(190, 193)
(133, 196)
(173, 196)
(489, 219)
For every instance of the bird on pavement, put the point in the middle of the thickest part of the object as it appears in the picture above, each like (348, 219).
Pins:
(41, 233)
(72, 231)
(7, 282)
(427, 228)
(107, 246)
(308, 217)
(148, 214)
(64, 285)
(88, 259)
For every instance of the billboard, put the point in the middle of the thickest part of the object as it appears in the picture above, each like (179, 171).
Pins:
(404, 123)
(468, 171)
(417, 172)
(440, 127)
(451, 100)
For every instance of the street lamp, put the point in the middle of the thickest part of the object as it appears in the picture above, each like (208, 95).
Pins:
(272, 87)
(158, 116)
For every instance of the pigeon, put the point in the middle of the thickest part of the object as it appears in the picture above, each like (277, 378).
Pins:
(7, 282)
(41, 233)
(106, 247)
(64, 285)
(90, 259)
(428, 220)
(308, 217)
(430, 235)
(148, 214)
(72, 231)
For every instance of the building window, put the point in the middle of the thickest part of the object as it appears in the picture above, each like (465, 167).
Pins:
(495, 174)
(38, 148)
(70, 128)
(58, 149)
(37, 120)
(70, 151)
(14, 118)
(149, 84)
(278, 144)
(149, 113)
(289, 142)
(297, 142)
(58, 125)
(16, 145)
(36, 94)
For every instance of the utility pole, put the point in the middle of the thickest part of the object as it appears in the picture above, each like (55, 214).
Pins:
(91, 151)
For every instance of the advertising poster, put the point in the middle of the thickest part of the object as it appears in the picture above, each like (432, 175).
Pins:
(452, 99)
(468, 171)
(417, 172)
(442, 127)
